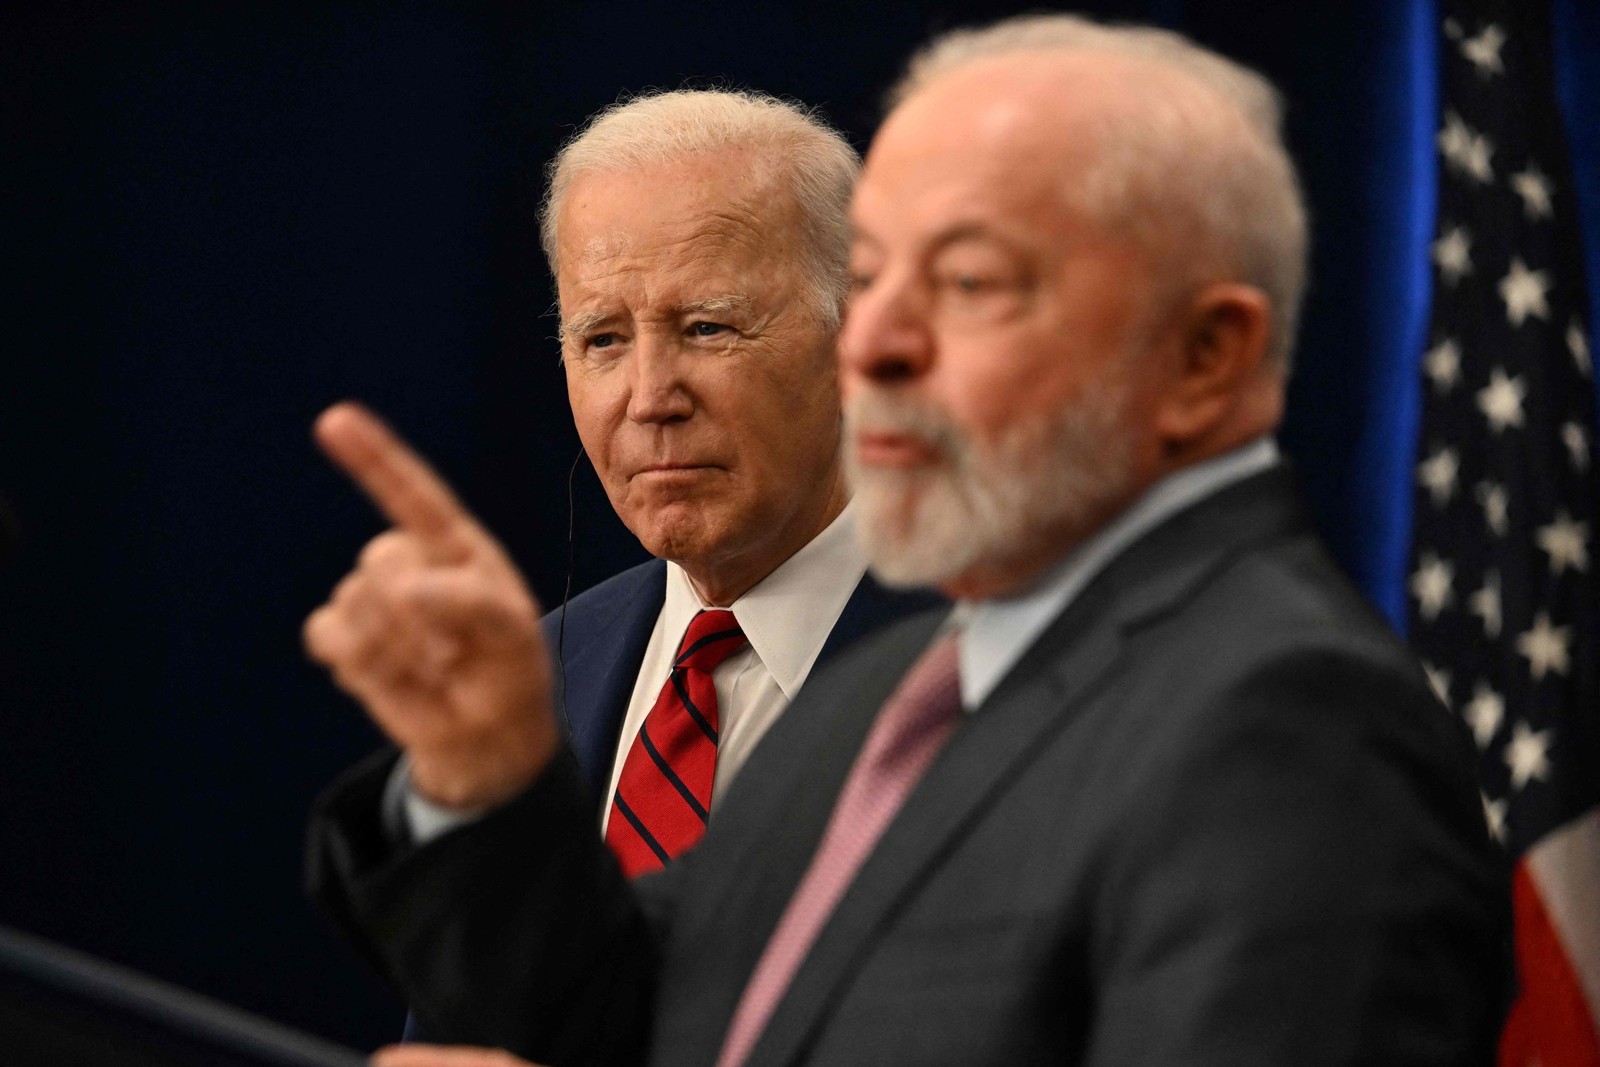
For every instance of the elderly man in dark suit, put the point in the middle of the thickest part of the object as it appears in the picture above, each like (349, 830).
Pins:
(1160, 790)
(698, 240)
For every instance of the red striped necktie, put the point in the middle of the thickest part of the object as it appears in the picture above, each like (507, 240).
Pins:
(663, 797)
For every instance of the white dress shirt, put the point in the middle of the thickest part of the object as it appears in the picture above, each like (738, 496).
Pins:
(787, 616)
(995, 633)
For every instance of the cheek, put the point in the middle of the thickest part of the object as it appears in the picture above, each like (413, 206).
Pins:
(799, 427)
(596, 414)
(1022, 375)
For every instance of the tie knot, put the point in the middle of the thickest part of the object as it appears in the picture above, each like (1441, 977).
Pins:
(712, 637)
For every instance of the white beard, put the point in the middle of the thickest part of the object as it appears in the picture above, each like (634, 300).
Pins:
(983, 504)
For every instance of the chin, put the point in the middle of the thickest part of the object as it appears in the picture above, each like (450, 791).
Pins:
(682, 533)
(914, 531)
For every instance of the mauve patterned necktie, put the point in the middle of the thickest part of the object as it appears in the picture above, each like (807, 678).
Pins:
(913, 726)
(664, 792)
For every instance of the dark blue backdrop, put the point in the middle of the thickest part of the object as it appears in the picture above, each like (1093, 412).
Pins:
(221, 218)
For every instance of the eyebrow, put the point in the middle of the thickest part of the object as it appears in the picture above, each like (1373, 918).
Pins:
(585, 321)
(955, 233)
(958, 231)
(582, 323)
(716, 305)
(970, 231)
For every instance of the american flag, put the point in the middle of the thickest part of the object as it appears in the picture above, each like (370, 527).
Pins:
(1504, 590)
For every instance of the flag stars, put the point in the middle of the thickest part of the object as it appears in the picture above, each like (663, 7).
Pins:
(1546, 647)
(1501, 400)
(1577, 442)
(1483, 51)
(1484, 714)
(1452, 254)
(1437, 474)
(1566, 543)
(1525, 292)
(1466, 149)
(1433, 585)
(1494, 813)
(1578, 345)
(1442, 364)
(1438, 681)
(1527, 755)
(1495, 501)
(1485, 604)
(1535, 190)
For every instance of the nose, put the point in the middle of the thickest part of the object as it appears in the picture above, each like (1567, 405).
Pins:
(658, 391)
(886, 336)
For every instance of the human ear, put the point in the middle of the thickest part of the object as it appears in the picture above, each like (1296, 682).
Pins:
(1219, 355)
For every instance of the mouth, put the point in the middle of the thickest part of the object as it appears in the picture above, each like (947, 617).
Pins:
(673, 470)
(896, 451)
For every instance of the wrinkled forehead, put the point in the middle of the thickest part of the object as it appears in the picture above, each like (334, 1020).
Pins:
(661, 242)
(730, 197)
(668, 230)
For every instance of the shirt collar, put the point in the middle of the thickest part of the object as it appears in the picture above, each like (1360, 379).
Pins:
(789, 614)
(997, 632)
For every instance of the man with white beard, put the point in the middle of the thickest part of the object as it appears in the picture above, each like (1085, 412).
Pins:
(1160, 790)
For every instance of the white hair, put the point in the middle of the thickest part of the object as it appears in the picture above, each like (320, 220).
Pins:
(796, 148)
(1198, 160)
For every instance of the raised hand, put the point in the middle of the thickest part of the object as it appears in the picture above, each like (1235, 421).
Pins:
(435, 632)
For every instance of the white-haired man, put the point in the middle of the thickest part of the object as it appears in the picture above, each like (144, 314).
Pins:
(698, 240)
(1161, 790)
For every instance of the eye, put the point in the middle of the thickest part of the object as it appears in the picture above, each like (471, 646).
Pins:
(601, 347)
(707, 329)
(967, 282)
(859, 281)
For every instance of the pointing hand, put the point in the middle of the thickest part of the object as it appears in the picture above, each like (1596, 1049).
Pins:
(435, 632)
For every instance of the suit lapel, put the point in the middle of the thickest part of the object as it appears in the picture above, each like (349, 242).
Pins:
(987, 751)
(870, 607)
(605, 639)
(1037, 699)
(795, 775)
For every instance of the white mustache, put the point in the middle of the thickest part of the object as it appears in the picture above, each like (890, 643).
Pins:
(878, 412)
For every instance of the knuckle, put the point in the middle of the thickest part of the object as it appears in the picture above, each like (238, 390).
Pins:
(314, 632)
(389, 549)
(350, 678)
(349, 590)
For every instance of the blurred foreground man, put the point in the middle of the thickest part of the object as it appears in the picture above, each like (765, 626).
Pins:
(1161, 790)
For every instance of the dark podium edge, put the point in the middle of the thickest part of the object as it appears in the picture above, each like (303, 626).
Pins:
(113, 990)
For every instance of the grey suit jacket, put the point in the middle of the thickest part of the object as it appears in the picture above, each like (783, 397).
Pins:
(1214, 816)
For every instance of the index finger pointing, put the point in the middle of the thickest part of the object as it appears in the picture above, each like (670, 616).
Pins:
(398, 480)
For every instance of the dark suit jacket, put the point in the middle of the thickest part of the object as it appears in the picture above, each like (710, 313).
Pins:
(1214, 816)
(602, 636)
